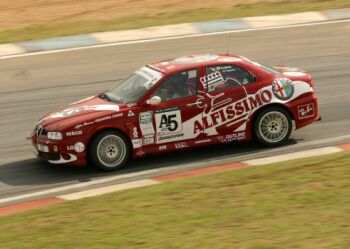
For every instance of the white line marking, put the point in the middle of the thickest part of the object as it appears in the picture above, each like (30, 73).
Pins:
(153, 171)
(169, 38)
(292, 156)
(324, 141)
(108, 189)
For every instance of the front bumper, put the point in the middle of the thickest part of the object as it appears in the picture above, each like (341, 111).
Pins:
(57, 151)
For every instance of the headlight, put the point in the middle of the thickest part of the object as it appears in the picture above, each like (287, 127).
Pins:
(54, 135)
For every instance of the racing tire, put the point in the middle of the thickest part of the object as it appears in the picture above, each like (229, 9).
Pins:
(272, 126)
(109, 151)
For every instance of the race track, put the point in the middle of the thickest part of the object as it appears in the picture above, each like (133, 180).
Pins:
(30, 86)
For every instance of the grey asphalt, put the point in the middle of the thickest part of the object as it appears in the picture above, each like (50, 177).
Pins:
(33, 85)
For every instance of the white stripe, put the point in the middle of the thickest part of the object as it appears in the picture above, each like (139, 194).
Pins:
(146, 33)
(10, 49)
(169, 38)
(294, 155)
(289, 19)
(108, 189)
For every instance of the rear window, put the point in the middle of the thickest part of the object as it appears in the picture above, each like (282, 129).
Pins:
(264, 67)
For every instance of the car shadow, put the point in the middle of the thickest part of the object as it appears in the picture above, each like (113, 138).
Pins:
(37, 172)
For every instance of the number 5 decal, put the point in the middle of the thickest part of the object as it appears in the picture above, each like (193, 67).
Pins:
(168, 121)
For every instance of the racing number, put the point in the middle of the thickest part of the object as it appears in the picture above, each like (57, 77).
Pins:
(169, 122)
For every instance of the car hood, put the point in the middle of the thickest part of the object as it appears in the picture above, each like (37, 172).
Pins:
(85, 110)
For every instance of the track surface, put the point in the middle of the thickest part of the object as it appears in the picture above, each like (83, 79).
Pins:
(33, 85)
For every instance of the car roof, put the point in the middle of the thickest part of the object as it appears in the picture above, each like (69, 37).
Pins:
(193, 61)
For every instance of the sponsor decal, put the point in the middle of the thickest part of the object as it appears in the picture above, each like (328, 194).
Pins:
(294, 74)
(135, 133)
(162, 147)
(168, 124)
(75, 110)
(77, 147)
(136, 143)
(148, 140)
(170, 137)
(70, 147)
(151, 76)
(306, 111)
(168, 121)
(98, 120)
(181, 145)
(237, 136)
(282, 88)
(211, 80)
(225, 112)
(146, 123)
(74, 133)
(130, 114)
(84, 124)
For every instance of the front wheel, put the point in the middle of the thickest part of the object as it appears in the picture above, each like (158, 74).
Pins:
(109, 151)
(272, 126)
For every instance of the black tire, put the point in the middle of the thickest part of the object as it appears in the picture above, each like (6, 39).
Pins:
(104, 149)
(272, 126)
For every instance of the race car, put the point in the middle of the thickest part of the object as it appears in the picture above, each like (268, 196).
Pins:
(175, 104)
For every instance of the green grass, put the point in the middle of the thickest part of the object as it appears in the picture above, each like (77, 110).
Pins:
(140, 21)
(298, 204)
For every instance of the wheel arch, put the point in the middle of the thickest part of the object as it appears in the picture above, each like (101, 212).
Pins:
(97, 132)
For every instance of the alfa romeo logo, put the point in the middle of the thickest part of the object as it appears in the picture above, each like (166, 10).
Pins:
(283, 89)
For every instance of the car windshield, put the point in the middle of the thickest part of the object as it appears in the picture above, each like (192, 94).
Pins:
(134, 87)
(264, 67)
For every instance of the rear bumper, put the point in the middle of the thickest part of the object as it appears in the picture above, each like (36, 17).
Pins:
(305, 110)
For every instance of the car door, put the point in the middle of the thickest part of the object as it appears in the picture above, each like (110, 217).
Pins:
(226, 91)
(174, 117)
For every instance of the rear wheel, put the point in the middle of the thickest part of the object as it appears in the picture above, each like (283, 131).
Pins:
(273, 126)
(109, 151)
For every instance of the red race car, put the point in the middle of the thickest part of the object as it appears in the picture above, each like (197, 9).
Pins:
(179, 103)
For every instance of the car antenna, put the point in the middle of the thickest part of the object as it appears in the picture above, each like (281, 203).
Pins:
(230, 33)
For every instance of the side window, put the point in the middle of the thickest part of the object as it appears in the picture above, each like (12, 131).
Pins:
(221, 77)
(178, 85)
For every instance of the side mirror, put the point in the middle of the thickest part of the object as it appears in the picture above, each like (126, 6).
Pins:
(155, 100)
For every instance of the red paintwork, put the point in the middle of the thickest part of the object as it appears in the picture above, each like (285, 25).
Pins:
(126, 124)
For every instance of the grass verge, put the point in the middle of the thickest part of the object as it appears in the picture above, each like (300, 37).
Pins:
(297, 204)
(55, 29)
